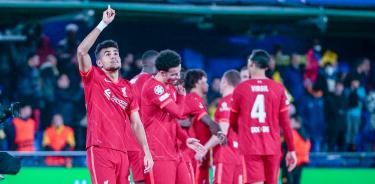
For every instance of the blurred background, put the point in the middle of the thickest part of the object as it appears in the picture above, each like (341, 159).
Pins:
(323, 51)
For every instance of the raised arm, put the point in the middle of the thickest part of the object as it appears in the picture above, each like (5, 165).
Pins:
(84, 60)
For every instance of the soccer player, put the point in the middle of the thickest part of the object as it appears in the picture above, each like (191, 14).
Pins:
(227, 158)
(134, 152)
(162, 104)
(259, 109)
(202, 124)
(111, 110)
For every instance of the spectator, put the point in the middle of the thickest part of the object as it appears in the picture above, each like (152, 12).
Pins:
(67, 47)
(127, 65)
(58, 137)
(24, 130)
(43, 44)
(3, 141)
(293, 78)
(312, 65)
(66, 96)
(302, 145)
(49, 74)
(313, 115)
(335, 114)
(29, 84)
(214, 92)
(356, 93)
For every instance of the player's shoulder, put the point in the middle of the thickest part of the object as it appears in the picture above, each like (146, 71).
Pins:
(276, 85)
(242, 86)
(152, 86)
(140, 78)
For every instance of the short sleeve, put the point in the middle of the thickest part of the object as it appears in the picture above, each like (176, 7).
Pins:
(193, 107)
(133, 103)
(87, 76)
(284, 102)
(159, 96)
(235, 107)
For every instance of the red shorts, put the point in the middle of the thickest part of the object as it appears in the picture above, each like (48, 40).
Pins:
(259, 168)
(227, 173)
(107, 165)
(202, 171)
(169, 172)
(136, 164)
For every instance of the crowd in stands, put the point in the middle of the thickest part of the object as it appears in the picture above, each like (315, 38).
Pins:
(336, 103)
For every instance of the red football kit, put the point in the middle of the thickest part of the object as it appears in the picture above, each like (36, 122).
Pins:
(161, 107)
(109, 106)
(259, 109)
(135, 152)
(227, 158)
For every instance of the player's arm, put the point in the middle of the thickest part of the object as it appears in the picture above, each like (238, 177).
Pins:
(176, 109)
(214, 140)
(185, 123)
(84, 60)
(284, 120)
(234, 112)
(214, 129)
(140, 134)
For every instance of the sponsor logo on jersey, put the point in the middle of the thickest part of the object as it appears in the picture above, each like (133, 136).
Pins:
(109, 96)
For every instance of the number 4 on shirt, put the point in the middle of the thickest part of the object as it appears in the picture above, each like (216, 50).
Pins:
(258, 112)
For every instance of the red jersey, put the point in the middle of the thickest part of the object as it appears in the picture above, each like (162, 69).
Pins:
(161, 127)
(195, 108)
(109, 106)
(137, 83)
(229, 153)
(259, 105)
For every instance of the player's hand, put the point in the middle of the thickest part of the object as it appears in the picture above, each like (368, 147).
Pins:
(181, 90)
(148, 162)
(222, 137)
(200, 156)
(291, 160)
(194, 144)
(108, 15)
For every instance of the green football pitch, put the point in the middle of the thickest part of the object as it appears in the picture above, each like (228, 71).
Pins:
(81, 176)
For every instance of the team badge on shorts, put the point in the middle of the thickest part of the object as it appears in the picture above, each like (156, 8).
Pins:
(158, 90)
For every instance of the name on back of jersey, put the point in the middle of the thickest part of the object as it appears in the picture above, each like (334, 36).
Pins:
(259, 88)
(259, 129)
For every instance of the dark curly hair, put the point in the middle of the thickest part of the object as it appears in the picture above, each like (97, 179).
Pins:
(192, 76)
(167, 59)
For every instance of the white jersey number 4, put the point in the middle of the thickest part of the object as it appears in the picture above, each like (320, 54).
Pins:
(258, 112)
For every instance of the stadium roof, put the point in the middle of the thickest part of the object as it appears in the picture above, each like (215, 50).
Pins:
(335, 21)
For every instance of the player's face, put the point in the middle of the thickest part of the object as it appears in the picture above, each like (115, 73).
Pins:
(173, 75)
(109, 59)
(223, 84)
(244, 75)
(203, 85)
